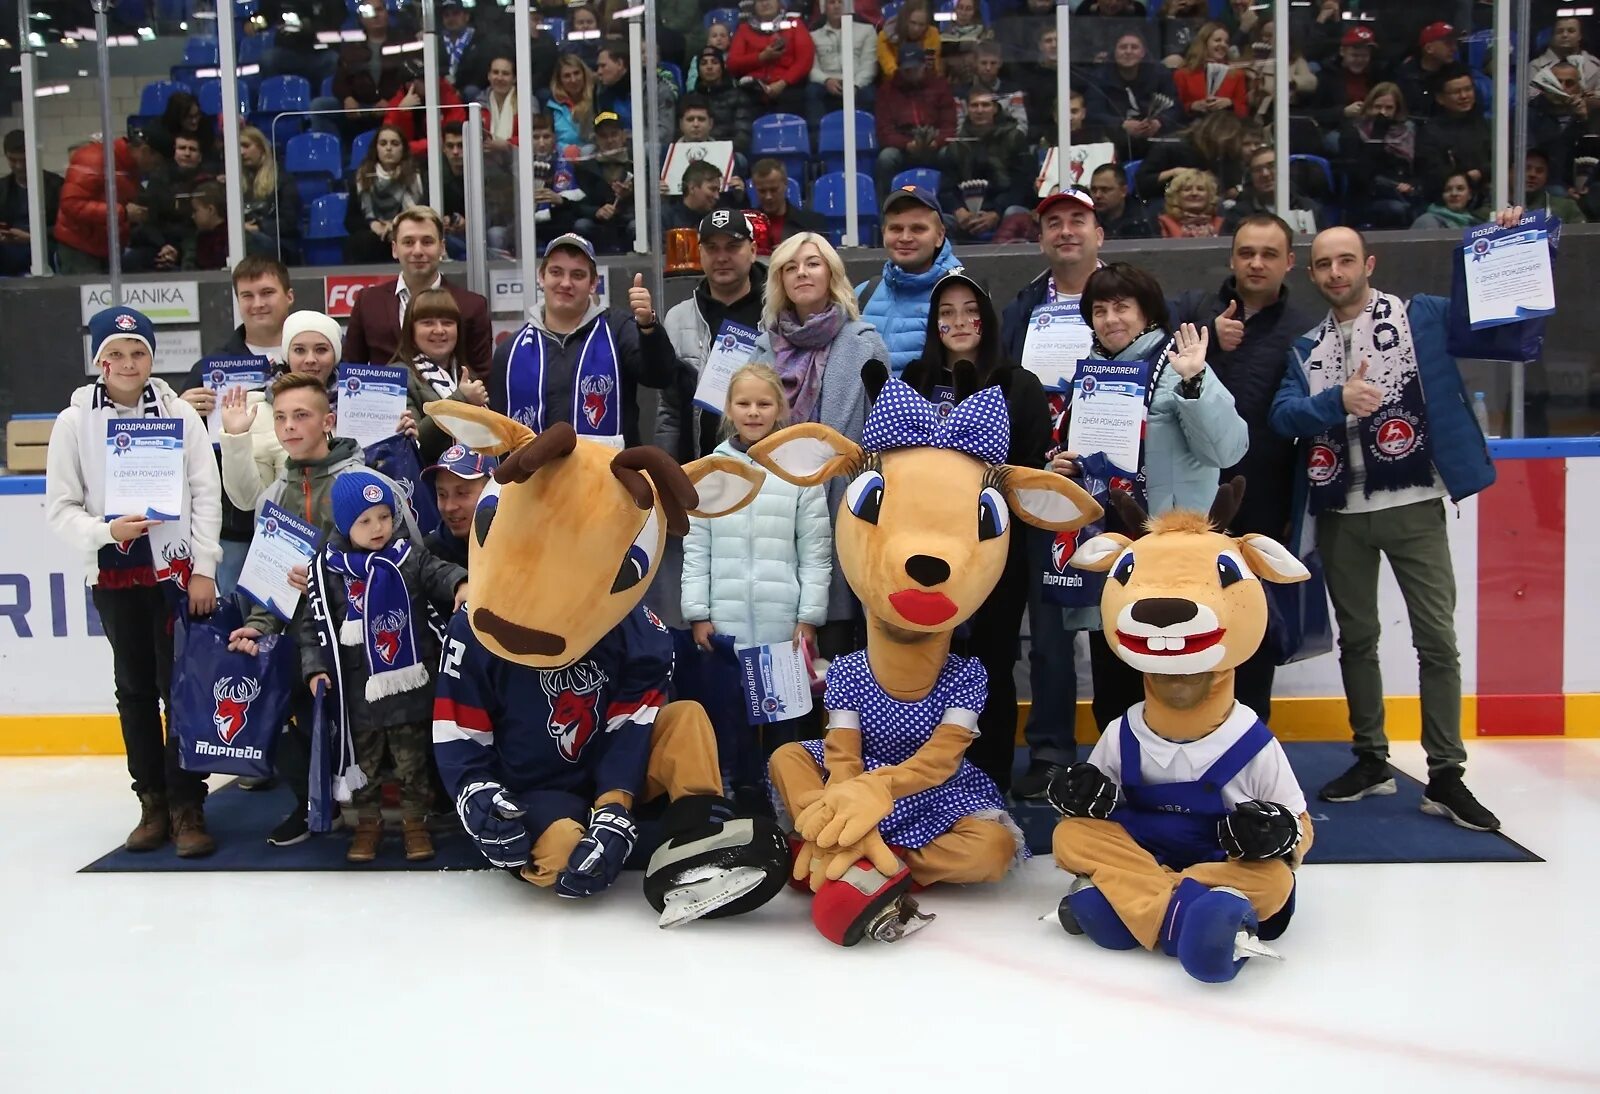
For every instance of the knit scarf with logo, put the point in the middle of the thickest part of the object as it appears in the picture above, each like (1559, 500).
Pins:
(378, 617)
(1395, 447)
(596, 411)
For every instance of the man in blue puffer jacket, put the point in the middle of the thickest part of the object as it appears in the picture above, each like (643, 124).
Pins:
(896, 303)
(1386, 433)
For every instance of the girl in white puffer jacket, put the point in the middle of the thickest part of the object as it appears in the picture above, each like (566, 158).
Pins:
(759, 575)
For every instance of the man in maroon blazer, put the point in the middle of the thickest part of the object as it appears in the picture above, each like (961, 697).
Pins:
(374, 332)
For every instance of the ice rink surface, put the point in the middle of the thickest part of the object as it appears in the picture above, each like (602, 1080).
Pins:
(1451, 978)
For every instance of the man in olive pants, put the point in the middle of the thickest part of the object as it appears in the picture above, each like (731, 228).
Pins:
(1386, 435)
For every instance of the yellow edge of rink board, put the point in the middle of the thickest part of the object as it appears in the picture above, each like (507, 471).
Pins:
(1295, 720)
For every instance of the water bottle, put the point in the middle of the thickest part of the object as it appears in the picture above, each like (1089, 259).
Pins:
(1480, 411)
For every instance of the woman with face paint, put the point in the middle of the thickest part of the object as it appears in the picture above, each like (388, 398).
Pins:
(961, 356)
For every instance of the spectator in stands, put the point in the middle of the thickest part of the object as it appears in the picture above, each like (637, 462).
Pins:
(184, 118)
(161, 220)
(1039, 81)
(583, 34)
(295, 51)
(1198, 91)
(1417, 74)
(1241, 17)
(1455, 204)
(913, 23)
(1381, 149)
(733, 113)
(1562, 123)
(967, 24)
(825, 89)
(916, 117)
(1536, 179)
(465, 52)
(987, 60)
(557, 195)
(703, 191)
(695, 123)
(732, 290)
(1343, 86)
(407, 106)
(987, 171)
(1191, 211)
(206, 248)
(1134, 96)
(570, 102)
(1260, 196)
(1018, 32)
(1566, 46)
(607, 219)
(81, 244)
(373, 336)
(271, 200)
(1180, 21)
(784, 218)
(614, 89)
(386, 184)
(896, 301)
(15, 227)
(1320, 38)
(771, 57)
(367, 76)
(454, 203)
(719, 35)
(1120, 215)
(1457, 137)
(1216, 143)
(1262, 69)
(1083, 130)
(500, 108)
(1099, 23)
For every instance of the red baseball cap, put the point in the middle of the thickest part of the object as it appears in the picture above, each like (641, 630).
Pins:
(1074, 195)
(1359, 35)
(1435, 32)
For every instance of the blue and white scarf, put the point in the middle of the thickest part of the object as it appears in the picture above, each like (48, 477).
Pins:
(378, 617)
(596, 388)
(1395, 448)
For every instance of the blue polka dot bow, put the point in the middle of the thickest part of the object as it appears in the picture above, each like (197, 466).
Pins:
(901, 418)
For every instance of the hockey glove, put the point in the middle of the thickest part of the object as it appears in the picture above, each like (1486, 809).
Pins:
(598, 858)
(1083, 790)
(1259, 830)
(492, 818)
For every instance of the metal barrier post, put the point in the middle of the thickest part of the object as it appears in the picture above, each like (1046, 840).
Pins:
(233, 174)
(847, 58)
(108, 152)
(430, 76)
(38, 230)
(1280, 104)
(1063, 94)
(476, 208)
(641, 186)
(527, 235)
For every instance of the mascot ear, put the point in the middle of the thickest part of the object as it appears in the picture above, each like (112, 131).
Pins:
(1047, 500)
(477, 427)
(808, 454)
(1272, 561)
(725, 485)
(1100, 552)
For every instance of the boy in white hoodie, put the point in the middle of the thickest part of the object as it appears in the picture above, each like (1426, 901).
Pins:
(141, 570)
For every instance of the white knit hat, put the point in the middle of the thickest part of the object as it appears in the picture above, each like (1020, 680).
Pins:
(301, 321)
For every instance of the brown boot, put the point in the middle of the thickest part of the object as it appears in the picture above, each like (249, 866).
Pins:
(153, 827)
(189, 832)
(364, 847)
(419, 845)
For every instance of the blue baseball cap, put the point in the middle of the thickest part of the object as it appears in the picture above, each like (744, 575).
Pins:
(574, 242)
(463, 463)
(913, 53)
(919, 194)
(120, 323)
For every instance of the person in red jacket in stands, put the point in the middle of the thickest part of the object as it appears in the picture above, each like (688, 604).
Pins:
(1196, 95)
(771, 55)
(405, 112)
(82, 247)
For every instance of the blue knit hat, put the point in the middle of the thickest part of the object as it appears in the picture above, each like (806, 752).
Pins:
(120, 323)
(353, 493)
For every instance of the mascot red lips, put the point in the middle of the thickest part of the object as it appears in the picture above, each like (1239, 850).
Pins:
(1188, 643)
(923, 609)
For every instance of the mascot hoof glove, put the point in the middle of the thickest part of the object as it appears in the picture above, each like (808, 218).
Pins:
(1085, 910)
(866, 904)
(712, 864)
(798, 884)
(1212, 932)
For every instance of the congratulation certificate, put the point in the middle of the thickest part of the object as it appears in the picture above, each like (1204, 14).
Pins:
(777, 682)
(282, 542)
(1508, 273)
(221, 374)
(1108, 411)
(731, 350)
(144, 468)
(1057, 340)
(371, 400)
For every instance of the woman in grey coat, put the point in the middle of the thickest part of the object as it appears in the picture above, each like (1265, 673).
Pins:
(824, 354)
(1192, 432)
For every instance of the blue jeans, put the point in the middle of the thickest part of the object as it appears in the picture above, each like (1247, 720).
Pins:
(1052, 673)
(228, 570)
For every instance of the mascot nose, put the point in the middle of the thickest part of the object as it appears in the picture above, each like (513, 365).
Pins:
(1164, 611)
(927, 570)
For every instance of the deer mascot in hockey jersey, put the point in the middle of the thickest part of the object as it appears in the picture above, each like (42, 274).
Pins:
(1185, 825)
(551, 719)
(888, 800)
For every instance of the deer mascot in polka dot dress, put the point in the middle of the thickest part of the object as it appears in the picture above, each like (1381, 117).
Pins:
(887, 800)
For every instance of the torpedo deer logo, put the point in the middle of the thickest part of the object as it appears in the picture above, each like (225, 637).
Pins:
(233, 705)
